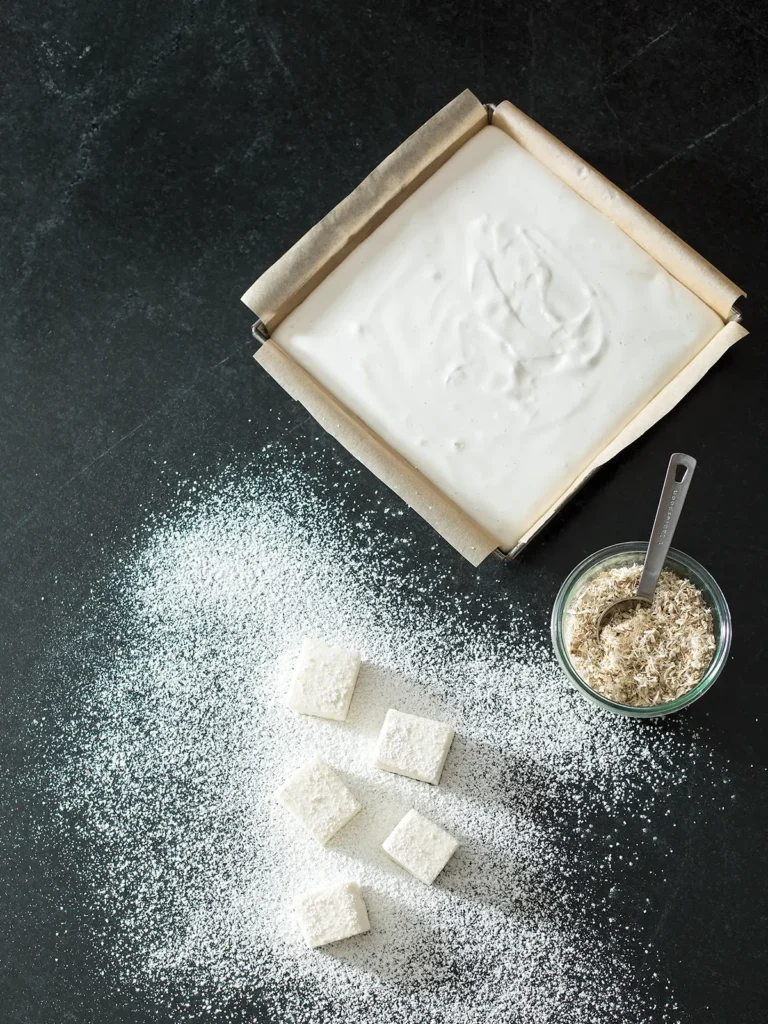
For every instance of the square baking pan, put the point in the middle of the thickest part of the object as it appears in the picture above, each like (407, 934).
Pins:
(285, 285)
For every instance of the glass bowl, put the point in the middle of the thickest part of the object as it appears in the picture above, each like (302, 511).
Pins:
(633, 553)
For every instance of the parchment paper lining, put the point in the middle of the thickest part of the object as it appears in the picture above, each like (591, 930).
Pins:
(283, 286)
(655, 410)
(671, 252)
(314, 256)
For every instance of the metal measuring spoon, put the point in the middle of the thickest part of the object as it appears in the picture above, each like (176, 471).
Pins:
(676, 484)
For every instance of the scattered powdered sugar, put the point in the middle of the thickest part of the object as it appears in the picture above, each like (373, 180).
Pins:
(165, 784)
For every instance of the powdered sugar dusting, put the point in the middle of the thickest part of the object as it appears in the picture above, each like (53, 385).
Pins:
(193, 865)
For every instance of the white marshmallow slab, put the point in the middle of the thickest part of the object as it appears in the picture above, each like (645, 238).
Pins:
(332, 913)
(498, 332)
(318, 799)
(323, 680)
(412, 746)
(420, 846)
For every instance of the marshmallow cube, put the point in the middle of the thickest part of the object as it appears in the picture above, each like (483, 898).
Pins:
(318, 799)
(420, 846)
(412, 746)
(333, 913)
(323, 680)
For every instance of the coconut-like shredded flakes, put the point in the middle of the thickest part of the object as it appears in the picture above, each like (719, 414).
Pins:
(647, 655)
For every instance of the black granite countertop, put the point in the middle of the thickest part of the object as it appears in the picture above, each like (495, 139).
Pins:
(155, 159)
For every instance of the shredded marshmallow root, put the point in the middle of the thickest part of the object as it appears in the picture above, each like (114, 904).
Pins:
(643, 656)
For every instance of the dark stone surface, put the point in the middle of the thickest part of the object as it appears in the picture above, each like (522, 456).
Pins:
(155, 159)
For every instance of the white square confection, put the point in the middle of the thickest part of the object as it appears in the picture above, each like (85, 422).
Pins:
(327, 915)
(420, 846)
(323, 680)
(318, 799)
(413, 746)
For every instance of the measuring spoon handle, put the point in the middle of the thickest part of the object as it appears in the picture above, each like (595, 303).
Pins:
(676, 484)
